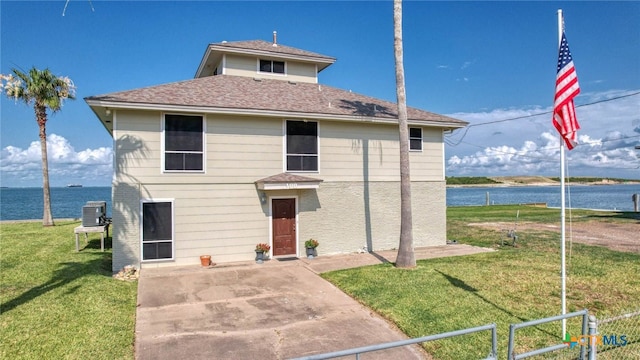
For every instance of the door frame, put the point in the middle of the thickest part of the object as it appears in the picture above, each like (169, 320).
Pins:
(295, 198)
(141, 229)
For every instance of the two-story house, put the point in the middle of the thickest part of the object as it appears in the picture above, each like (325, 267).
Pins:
(255, 150)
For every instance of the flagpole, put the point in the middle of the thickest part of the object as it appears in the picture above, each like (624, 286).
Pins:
(563, 270)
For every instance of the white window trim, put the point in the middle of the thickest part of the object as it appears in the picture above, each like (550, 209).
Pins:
(114, 135)
(223, 63)
(173, 229)
(442, 151)
(270, 219)
(284, 147)
(316, 74)
(421, 139)
(204, 145)
(271, 72)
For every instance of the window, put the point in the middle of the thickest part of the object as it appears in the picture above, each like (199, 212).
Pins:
(302, 146)
(415, 139)
(157, 230)
(272, 66)
(183, 143)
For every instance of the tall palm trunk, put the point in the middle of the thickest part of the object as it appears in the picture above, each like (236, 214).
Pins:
(41, 116)
(406, 257)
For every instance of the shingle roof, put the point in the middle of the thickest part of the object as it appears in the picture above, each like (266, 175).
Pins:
(287, 178)
(239, 93)
(261, 45)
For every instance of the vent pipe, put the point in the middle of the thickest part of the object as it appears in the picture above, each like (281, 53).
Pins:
(275, 38)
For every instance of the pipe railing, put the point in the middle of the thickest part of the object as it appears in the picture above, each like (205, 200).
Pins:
(393, 344)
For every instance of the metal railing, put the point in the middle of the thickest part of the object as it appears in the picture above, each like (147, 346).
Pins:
(621, 341)
(619, 336)
(561, 346)
(384, 346)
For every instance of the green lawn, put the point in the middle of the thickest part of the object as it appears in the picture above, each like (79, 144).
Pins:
(59, 304)
(512, 285)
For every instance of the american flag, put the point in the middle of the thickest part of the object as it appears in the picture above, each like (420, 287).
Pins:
(564, 112)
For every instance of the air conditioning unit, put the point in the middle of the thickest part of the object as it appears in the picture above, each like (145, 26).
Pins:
(101, 204)
(94, 213)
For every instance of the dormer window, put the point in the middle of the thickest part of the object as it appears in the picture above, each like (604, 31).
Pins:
(271, 66)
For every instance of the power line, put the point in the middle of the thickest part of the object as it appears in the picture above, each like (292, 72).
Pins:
(67, 3)
(466, 129)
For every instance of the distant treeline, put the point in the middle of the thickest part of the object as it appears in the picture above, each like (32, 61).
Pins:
(469, 180)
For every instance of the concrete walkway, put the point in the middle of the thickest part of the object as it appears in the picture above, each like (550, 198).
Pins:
(276, 310)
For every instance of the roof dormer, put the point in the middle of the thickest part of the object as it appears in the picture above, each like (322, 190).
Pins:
(258, 58)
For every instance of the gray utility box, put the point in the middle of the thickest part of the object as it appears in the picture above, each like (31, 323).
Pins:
(94, 213)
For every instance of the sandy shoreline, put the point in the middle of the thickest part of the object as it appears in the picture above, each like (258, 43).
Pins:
(506, 183)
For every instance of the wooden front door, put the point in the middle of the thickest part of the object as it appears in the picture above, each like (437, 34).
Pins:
(284, 226)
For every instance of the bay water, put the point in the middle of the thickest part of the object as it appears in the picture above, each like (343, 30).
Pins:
(599, 197)
(67, 202)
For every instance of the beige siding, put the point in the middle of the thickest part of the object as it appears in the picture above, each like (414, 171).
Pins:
(357, 152)
(237, 149)
(218, 212)
(245, 149)
(248, 66)
(138, 145)
(426, 165)
(301, 72)
(224, 221)
(240, 65)
(227, 221)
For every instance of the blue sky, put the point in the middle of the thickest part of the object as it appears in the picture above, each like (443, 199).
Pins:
(482, 62)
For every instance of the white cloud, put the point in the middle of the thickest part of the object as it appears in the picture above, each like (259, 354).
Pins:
(527, 144)
(23, 167)
(466, 65)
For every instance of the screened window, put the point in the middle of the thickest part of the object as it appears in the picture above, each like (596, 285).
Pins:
(272, 66)
(157, 230)
(415, 139)
(302, 146)
(183, 143)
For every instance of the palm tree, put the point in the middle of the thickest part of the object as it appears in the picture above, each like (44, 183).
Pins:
(406, 257)
(43, 90)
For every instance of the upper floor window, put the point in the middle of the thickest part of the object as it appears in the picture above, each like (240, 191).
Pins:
(183, 143)
(302, 145)
(415, 139)
(272, 66)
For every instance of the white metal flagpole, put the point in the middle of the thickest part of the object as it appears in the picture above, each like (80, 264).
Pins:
(563, 270)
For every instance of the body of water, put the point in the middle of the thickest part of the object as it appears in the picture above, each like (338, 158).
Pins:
(66, 202)
(605, 197)
(26, 203)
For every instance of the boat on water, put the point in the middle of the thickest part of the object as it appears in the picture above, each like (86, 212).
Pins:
(74, 185)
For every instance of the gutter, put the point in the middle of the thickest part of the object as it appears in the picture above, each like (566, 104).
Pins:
(271, 113)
